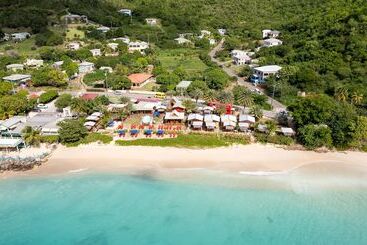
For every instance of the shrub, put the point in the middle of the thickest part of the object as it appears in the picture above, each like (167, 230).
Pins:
(50, 139)
(273, 139)
(48, 96)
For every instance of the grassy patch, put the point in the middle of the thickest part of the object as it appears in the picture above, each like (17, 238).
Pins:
(189, 141)
(92, 137)
(186, 58)
(25, 48)
(74, 33)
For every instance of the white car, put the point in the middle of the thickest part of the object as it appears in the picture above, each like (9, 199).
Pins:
(42, 106)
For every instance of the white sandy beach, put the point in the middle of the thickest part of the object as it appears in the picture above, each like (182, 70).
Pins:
(254, 159)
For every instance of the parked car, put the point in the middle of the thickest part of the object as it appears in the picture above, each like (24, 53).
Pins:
(42, 106)
(255, 79)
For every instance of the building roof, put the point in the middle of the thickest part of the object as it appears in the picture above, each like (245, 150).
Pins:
(85, 63)
(139, 77)
(184, 84)
(211, 118)
(247, 118)
(182, 40)
(42, 119)
(10, 66)
(11, 122)
(89, 96)
(232, 118)
(16, 77)
(195, 116)
(272, 40)
(10, 142)
(174, 115)
(145, 106)
(270, 68)
(287, 130)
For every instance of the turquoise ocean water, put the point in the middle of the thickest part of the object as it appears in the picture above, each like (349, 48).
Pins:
(120, 209)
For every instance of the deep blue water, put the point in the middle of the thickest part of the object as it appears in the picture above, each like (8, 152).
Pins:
(118, 209)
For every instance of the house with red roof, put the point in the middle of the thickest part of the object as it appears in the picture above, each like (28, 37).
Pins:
(89, 96)
(138, 80)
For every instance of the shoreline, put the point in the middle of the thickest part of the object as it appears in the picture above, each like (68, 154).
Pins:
(245, 160)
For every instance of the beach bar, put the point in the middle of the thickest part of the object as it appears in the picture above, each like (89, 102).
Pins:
(11, 144)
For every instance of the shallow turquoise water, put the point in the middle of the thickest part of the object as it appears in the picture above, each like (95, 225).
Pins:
(117, 209)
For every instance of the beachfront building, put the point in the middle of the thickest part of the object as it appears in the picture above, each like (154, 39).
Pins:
(11, 144)
(229, 122)
(211, 121)
(127, 12)
(263, 72)
(271, 42)
(51, 128)
(245, 122)
(138, 46)
(174, 116)
(146, 107)
(18, 78)
(86, 67)
(12, 127)
(138, 80)
(33, 63)
(96, 52)
(195, 120)
(151, 21)
(15, 67)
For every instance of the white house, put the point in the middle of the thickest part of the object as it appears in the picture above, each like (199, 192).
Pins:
(33, 63)
(96, 52)
(58, 64)
(287, 131)
(113, 46)
(212, 41)
(151, 21)
(106, 69)
(103, 29)
(86, 67)
(241, 59)
(15, 67)
(270, 33)
(138, 46)
(20, 36)
(122, 39)
(264, 72)
(222, 31)
(125, 12)
(73, 46)
(271, 42)
(182, 40)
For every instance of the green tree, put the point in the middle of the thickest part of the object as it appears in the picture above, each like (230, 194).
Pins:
(216, 78)
(189, 105)
(341, 94)
(63, 101)
(315, 136)
(356, 98)
(48, 96)
(117, 82)
(256, 111)
(5, 88)
(225, 97)
(72, 131)
(167, 81)
(49, 77)
(31, 137)
(196, 94)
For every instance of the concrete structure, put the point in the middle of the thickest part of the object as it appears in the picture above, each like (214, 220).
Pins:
(33, 63)
(212, 41)
(264, 72)
(86, 67)
(204, 33)
(18, 78)
(222, 32)
(113, 46)
(138, 46)
(20, 36)
(270, 33)
(15, 67)
(140, 79)
(271, 42)
(73, 46)
(103, 29)
(241, 59)
(122, 39)
(75, 18)
(58, 64)
(126, 12)
(182, 40)
(287, 131)
(151, 21)
(96, 52)
(182, 86)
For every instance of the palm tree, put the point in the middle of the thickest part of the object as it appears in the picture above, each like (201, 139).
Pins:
(271, 126)
(225, 97)
(197, 94)
(210, 96)
(246, 99)
(356, 99)
(256, 111)
(189, 105)
(31, 137)
(341, 94)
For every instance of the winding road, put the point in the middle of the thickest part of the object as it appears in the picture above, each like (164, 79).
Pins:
(277, 106)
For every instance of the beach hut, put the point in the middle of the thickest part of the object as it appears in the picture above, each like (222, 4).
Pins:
(89, 125)
(92, 118)
(229, 122)
(174, 116)
(245, 122)
(195, 120)
(211, 121)
(262, 128)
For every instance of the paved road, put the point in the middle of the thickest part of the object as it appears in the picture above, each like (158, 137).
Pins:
(277, 106)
